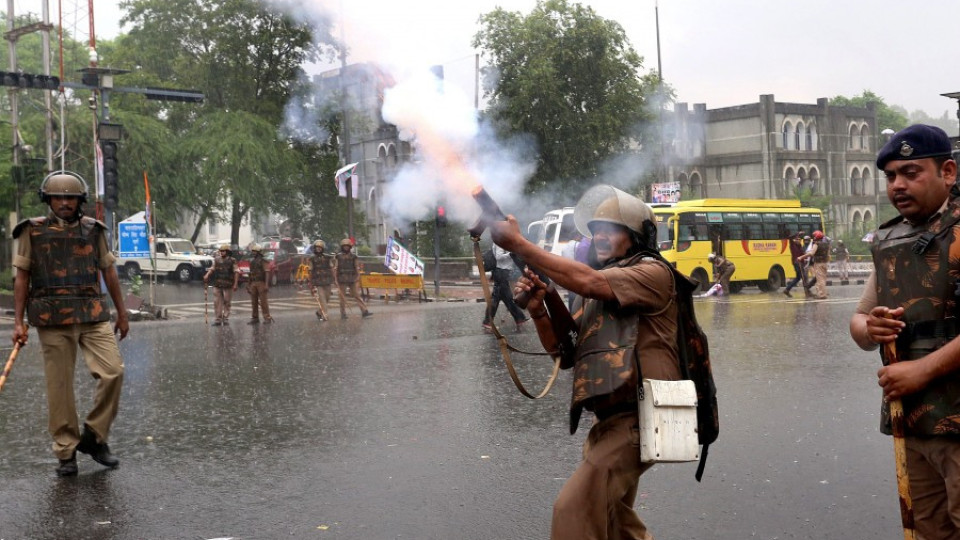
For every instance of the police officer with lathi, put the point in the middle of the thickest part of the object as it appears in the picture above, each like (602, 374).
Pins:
(910, 301)
(59, 262)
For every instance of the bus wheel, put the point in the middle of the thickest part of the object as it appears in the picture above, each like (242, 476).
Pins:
(736, 287)
(701, 275)
(774, 281)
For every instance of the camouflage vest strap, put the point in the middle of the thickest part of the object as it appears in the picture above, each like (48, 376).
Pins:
(914, 270)
(65, 274)
(347, 268)
(258, 270)
(321, 274)
(223, 270)
(822, 254)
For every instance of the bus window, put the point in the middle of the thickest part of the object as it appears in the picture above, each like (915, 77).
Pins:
(664, 235)
(733, 231)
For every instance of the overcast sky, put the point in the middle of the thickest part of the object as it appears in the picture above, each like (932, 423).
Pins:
(718, 52)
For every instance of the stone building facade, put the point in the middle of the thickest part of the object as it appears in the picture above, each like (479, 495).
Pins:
(769, 149)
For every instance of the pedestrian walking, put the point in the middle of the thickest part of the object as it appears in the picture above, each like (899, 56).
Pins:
(322, 267)
(909, 306)
(723, 270)
(259, 286)
(796, 252)
(226, 279)
(501, 274)
(841, 254)
(627, 317)
(819, 254)
(348, 277)
(59, 263)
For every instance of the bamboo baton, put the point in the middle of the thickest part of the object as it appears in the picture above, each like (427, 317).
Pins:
(900, 454)
(206, 319)
(9, 365)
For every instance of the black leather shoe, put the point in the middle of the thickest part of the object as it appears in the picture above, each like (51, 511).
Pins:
(254, 321)
(68, 467)
(100, 452)
(367, 314)
(343, 316)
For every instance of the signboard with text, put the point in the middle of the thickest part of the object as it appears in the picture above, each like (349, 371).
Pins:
(134, 241)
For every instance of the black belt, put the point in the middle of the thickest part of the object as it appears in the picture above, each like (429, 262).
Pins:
(607, 412)
(943, 329)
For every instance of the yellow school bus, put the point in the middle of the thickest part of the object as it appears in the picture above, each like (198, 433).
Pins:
(751, 233)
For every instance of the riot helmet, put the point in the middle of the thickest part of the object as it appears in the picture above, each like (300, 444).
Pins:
(256, 248)
(604, 203)
(319, 244)
(63, 184)
(346, 242)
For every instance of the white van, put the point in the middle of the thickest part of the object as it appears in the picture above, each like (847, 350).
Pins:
(558, 229)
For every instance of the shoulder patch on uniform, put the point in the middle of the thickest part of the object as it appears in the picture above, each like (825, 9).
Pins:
(33, 222)
(87, 220)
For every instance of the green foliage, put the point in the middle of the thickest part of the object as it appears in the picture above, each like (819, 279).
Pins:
(570, 79)
(888, 117)
(136, 285)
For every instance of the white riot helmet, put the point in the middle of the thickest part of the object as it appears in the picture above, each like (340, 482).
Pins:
(609, 204)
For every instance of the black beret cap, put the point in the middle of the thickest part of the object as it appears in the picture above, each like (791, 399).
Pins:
(914, 142)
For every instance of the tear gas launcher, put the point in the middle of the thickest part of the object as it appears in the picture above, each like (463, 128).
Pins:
(560, 319)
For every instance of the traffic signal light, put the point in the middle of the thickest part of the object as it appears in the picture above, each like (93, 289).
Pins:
(441, 217)
(111, 177)
(28, 80)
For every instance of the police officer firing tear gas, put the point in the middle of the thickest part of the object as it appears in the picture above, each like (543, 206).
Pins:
(627, 298)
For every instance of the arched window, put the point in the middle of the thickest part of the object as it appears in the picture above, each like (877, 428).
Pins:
(855, 185)
(864, 138)
(787, 128)
(812, 137)
(854, 133)
(796, 136)
(696, 185)
(814, 176)
(866, 180)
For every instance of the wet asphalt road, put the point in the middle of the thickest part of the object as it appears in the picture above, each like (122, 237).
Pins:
(406, 425)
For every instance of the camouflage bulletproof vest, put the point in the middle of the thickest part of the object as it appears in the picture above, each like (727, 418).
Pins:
(258, 270)
(914, 270)
(64, 273)
(321, 274)
(823, 252)
(223, 270)
(604, 361)
(347, 268)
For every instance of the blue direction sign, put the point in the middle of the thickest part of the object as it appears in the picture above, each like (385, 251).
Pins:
(133, 240)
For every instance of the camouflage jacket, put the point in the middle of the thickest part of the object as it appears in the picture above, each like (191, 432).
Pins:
(605, 360)
(918, 268)
(321, 269)
(223, 271)
(258, 270)
(347, 271)
(64, 272)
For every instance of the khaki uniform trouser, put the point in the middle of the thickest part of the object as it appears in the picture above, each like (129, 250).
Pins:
(820, 272)
(353, 291)
(323, 295)
(99, 347)
(933, 464)
(221, 301)
(258, 299)
(597, 501)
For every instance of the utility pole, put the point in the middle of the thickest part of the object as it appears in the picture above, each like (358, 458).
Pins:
(345, 127)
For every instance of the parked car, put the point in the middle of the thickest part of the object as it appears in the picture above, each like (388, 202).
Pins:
(173, 256)
(281, 263)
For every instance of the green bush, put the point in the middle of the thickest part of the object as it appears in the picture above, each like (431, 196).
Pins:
(6, 279)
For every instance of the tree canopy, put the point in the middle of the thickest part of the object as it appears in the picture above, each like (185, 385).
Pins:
(888, 117)
(569, 78)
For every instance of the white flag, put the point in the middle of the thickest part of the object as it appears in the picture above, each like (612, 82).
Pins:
(348, 172)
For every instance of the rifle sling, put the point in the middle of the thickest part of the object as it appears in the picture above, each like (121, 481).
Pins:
(505, 346)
